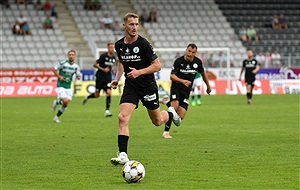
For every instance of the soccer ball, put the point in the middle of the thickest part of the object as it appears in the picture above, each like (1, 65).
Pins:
(133, 171)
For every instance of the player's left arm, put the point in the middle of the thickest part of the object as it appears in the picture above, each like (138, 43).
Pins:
(205, 79)
(154, 67)
(78, 73)
(257, 67)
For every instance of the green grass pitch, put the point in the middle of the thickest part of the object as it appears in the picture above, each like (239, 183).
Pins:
(222, 144)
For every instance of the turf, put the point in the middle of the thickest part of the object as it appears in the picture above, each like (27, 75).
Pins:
(222, 144)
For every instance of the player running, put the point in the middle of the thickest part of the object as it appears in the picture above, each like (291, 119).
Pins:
(64, 72)
(103, 76)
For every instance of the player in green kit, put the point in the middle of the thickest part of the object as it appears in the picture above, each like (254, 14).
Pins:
(64, 72)
(196, 90)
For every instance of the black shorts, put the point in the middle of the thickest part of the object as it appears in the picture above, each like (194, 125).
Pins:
(102, 84)
(181, 95)
(250, 80)
(149, 97)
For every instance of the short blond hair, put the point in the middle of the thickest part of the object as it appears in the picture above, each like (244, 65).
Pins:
(130, 15)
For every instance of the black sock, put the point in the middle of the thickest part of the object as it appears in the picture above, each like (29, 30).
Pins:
(169, 122)
(122, 143)
(91, 96)
(108, 99)
(248, 96)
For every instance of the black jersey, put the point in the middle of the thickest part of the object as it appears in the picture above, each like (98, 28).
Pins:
(186, 70)
(105, 61)
(137, 55)
(249, 67)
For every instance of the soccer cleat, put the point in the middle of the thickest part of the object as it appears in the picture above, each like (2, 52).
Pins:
(54, 106)
(199, 102)
(56, 120)
(166, 135)
(107, 113)
(164, 100)
(249, 101)
(176, 118)
(120, 160)
(85, 99)
(193, 103)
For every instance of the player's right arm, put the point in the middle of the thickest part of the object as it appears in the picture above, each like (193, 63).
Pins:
(175, 78)
(97, 66)
(120, 70)
(56, 72)
(242, 70)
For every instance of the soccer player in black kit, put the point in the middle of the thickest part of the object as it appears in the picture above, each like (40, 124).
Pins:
(103, 76)
(251, 67)
(139, 62)
(182, 76)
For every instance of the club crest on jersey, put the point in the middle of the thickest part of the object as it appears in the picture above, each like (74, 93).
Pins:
(195, 65)
(136, 49)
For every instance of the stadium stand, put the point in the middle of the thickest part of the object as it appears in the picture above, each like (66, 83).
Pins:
(42, 49)
(88, 21)
(259, 13)
(204, 22)
(183, 22)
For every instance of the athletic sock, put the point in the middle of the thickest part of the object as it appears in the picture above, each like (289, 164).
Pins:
(61, 111)
(248, 96)
(59, 102)
(91, 96)
(169, 122)
(199, 97)
(193, 98)
(108, 99)
(123, 143)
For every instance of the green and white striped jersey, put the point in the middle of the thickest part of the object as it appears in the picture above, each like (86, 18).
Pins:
(66, 70)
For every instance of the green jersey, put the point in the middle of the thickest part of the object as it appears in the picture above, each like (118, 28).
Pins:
(67, 71)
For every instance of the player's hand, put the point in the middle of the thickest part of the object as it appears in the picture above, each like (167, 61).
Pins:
(133, 73)
(78, 77)
(208, 90)
(61, 78)
(106, 70)
(114, 84)
(186, 83)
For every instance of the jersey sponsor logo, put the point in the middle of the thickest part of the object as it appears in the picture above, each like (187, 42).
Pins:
(187, 71)
(130, 58)
(149, 98)
(108, 63)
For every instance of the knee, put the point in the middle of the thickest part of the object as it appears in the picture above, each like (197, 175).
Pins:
(123, 120)
(157, 122)
(65, 103)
